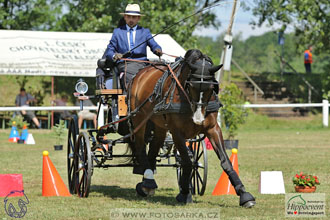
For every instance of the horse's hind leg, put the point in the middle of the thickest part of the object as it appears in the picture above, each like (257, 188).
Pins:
(215, 137)
(148, 185)
(156, 143)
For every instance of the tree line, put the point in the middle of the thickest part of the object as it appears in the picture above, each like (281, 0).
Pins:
(309, 20)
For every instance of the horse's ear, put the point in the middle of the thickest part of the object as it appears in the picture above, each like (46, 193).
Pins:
(215, 68)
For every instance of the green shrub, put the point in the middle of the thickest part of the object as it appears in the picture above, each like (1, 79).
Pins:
(60, 131)
(232, 112)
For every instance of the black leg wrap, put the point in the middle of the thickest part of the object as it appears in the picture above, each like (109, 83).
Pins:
(139, 190)
(247, 200)
(138, 170)
(149, 183)
(236, 182)
(184, 198)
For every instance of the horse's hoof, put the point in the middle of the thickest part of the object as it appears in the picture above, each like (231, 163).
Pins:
(184, 198)
(140, 191)
(149, 183)
(149, 192)
(249, 204)
(247, 200)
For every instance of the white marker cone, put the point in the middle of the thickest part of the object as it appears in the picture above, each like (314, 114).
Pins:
(30, 139)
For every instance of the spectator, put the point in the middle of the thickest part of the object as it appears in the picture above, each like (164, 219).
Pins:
(86, 114)
(308, 59)
(24, 99)
(61, 114)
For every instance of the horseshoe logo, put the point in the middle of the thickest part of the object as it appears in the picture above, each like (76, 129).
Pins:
(10, 208)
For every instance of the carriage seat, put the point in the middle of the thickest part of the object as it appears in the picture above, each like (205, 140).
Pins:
(107, 75)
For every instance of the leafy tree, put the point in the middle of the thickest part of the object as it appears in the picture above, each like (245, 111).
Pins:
(311, 23)
(90, 15)
(310, 19)
(29, 14)
(103, 16)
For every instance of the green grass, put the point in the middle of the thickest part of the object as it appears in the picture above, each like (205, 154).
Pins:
(265, 144)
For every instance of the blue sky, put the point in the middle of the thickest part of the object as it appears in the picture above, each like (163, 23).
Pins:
(241, 24)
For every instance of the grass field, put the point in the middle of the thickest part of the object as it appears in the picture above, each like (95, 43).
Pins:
(288, 145)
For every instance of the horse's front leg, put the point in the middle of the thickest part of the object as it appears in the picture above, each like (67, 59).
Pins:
(216, 139)
(180, 142)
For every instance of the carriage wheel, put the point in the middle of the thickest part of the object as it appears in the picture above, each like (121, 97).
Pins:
(198, 155)
(83, 165)
(72, 137)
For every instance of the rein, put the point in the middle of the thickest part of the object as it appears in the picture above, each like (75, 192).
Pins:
(138, 61)
(170, 55)
(179, 84)
(146, 61)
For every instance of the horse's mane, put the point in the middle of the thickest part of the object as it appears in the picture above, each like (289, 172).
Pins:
(193, 55)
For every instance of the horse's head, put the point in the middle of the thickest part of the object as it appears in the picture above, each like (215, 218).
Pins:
(200, 83)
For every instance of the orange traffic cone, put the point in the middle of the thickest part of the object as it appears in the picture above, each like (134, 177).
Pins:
(224, 186)
(52, 183)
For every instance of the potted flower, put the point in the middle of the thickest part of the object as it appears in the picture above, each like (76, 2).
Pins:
(233, 113)
(60, 131)
(305, 182)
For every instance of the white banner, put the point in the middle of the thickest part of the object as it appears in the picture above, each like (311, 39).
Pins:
(61, 53)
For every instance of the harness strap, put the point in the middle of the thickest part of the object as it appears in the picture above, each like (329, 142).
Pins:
(137, 127)
(203, 65)
(179, 84)
(134, 112)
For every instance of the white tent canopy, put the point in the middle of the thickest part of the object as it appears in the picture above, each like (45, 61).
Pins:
(62, 53)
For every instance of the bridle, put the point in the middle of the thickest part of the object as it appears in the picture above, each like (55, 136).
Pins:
(203, 80)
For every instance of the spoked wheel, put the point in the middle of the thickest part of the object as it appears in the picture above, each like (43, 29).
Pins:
(198, 155)
(83, 165)
(72, 137)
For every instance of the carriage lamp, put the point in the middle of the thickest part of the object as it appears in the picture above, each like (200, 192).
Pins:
(81, 87)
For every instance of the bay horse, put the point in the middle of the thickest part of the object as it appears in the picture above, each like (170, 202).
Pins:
(192, 81)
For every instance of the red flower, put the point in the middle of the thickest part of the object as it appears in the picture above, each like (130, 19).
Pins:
(305, 180)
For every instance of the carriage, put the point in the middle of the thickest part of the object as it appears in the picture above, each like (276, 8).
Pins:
(90, 149)
(177, 98)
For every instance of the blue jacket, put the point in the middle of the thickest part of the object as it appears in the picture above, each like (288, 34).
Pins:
(119, 43)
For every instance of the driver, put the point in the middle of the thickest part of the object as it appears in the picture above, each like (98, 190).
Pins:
(126, 38)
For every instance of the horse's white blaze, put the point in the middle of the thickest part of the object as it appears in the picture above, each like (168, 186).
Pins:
(198, 116)
(148, 174)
